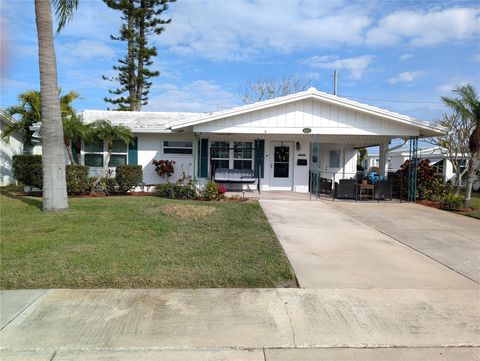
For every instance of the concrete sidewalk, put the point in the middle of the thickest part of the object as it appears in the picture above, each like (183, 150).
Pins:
(330, 249)
(251, 324)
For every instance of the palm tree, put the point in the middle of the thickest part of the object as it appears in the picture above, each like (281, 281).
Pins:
(29, 111)
(467, 104)
(54, 182)
(74, 131)
(105, 130)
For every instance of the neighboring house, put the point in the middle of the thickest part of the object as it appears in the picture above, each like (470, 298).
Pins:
(282, 140)
(8, 148)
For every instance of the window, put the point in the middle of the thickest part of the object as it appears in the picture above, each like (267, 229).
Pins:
(242, 155)
(220, 154)
(94, 153)
(119, 153)
(334, 159)
(177, 147)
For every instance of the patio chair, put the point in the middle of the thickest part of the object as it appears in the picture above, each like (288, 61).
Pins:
(383, 190)
(346, 189)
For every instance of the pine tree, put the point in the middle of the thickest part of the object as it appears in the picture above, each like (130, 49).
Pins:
(141, 18)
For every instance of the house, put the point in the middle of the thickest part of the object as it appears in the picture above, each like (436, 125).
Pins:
(282, 140)
(436, 155)
(13, 145)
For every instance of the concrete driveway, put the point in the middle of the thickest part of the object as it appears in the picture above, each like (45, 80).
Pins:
(328, 248)
(451, 239)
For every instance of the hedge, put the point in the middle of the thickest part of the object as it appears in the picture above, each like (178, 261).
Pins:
(128, 177)
(21, 168)
(78, 181)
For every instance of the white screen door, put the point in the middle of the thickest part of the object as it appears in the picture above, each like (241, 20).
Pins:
(281, 166)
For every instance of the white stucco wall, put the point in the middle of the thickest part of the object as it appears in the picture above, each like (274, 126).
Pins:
(150, 147)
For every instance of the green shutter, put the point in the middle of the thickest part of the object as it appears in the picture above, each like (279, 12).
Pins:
(133, 152)
(203, 158)
(259, 157)
(75, 154)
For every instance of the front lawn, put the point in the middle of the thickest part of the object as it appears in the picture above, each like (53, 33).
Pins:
(138, 242)
(475, 213)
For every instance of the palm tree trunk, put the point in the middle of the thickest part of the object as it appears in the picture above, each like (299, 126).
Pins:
(54, 183)
(70, 153)
(470, 179)
(104, 170)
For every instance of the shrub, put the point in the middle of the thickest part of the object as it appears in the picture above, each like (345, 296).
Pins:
(166, 190)
(213, 191)
(451, 202)
(21, 170)
(106, 185)
(164, 168)
(187, 190)
(77, 179)
(128, 177)
(425, 178)
(36, 175)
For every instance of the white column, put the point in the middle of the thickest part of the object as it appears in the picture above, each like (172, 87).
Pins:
(383, 158)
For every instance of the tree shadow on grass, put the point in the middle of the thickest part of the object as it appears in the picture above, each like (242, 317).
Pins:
(31, 201)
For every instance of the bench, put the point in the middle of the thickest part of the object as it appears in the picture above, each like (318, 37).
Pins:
(225, 175)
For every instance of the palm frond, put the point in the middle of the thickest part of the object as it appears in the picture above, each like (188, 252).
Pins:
(64, 10)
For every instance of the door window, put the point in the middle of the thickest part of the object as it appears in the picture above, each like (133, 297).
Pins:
(281, 161)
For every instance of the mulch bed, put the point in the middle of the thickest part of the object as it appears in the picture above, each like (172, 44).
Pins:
(434, 204)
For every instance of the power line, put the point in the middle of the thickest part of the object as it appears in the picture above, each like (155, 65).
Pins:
(395, 101)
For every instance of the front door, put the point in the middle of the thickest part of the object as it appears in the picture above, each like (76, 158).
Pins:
(281, 170)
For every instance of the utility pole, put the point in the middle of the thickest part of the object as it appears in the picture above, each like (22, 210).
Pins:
(334, 82)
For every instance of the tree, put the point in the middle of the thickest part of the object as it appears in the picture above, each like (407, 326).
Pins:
(467, 104)
(53, 162)
(454, 144)
(29, 111)
(141, 18)
(74, 131)
(362, 157)
(269, 88)
(105, 130)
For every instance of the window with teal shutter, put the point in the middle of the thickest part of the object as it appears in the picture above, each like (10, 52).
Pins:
(133, 152)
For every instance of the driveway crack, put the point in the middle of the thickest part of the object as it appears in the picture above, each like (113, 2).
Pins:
(22, 310)
(285, 303)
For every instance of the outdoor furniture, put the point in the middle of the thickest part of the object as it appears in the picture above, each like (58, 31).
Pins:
(366, 190)
(383, 190)
(346, 189)
(225, 175)
(325, 185)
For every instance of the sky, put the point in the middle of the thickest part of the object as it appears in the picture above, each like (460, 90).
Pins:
(398, 55)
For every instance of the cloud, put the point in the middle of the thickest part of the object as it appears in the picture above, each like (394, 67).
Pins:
(197, 96)
(451, 85)
(244, 29)
(406, 56)
(86, 50)
(406, 77)
(424, 27)
(357, 66)
(476, 57)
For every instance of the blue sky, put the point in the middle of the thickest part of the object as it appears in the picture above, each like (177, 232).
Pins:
(411, 52)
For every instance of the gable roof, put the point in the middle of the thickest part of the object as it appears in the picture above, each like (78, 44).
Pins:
(148, 122)
(312, 93)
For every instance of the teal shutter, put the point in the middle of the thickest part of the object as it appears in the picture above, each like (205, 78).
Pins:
(75, 154)
(260, 157)
(203, 158)
(133, 152)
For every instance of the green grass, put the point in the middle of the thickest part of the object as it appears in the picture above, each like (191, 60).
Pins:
(475, 205)
(138, 242)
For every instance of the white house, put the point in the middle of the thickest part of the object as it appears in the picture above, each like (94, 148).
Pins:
(282, 140)
(12, 146)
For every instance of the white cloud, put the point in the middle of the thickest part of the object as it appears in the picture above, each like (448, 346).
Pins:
(197, 96)
(356, 66)
(406, 77)
(476, 57)
(86, 50)
(241, 30)
(449, 86)
(426, 27)
(406, 56)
